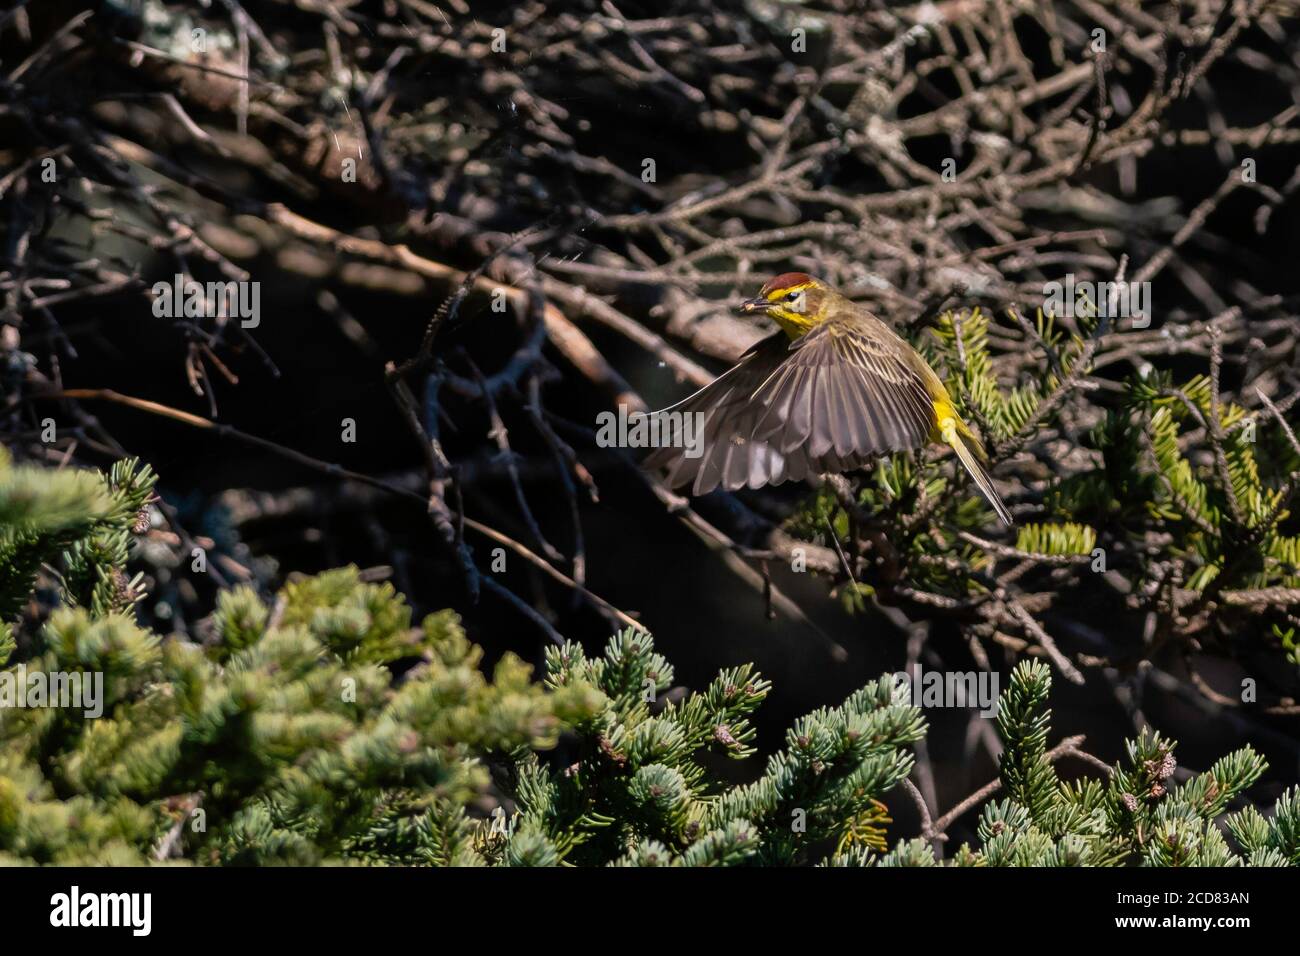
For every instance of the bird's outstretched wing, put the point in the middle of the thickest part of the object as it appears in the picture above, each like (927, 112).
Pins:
(729, 418)
(845, 392)
(831, 401)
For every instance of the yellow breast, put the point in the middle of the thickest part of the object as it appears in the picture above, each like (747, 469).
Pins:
(793, 324)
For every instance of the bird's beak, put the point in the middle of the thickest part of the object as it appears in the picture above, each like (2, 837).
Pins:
(756, 304)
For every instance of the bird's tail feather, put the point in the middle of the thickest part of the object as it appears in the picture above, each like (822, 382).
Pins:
(971, 454)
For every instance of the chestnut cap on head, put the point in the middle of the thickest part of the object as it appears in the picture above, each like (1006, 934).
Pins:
(786, 284)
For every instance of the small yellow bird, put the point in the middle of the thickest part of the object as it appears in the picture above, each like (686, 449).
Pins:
(831, 392)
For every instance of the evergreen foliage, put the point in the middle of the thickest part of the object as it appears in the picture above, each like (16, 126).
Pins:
(1176, 465)
(324, 726)
(1138, 815)
(85, 517)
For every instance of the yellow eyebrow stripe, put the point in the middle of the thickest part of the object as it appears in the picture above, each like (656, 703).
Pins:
(778, 293)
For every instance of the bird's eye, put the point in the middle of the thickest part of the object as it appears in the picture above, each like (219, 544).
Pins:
(792, 296)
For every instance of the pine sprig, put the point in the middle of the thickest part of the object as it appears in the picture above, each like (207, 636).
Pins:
(336, 729)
